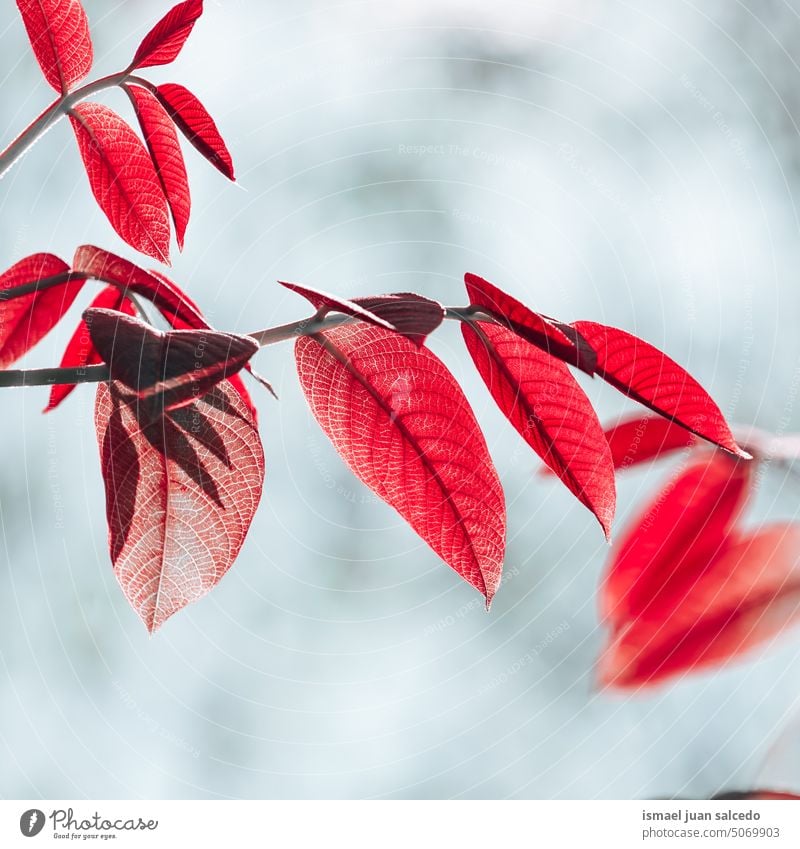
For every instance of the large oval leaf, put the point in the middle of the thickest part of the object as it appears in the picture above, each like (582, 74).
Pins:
(549, 410)
(743, 595)
(123, 178)
(24, 320)
(649, 376)
(400, 421)
(675, 535)
(181, 493)
(59, 34)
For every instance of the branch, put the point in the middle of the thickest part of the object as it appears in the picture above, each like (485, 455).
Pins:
(50, 376)
(54, 112)
(270, 336)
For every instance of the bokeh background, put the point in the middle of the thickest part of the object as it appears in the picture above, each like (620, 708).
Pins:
(633, 163)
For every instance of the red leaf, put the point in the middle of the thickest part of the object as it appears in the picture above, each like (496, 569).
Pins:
(641, 438)
(25, 320)
(324, 302)
(682, 529)
(122, 178)
(549, 410)
(744, 595)
(648, 376)
(179, 310)
(415, 316)
(180, 495)
(527, 324)
(773, 795)
(192, 119)
(169, 369)
(166, 39)
(59, 34)
(174, 304)
(400, 421)
(165, 150)
(80, 351)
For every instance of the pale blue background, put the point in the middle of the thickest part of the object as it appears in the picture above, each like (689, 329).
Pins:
(634, 163)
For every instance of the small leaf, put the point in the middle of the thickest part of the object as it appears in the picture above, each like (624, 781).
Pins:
(59, 34)
(169, 369)
(80, 351)
(641, 438)
(123, 178)
(166, 39)
(26, 319)
(162, 142)
(415, 316)
(181, 493)
(527, 324)
(543, 401)
(649, 376)
(685, 525)
(192, 119)
(402, 424)
(324, 303)
(736, 598)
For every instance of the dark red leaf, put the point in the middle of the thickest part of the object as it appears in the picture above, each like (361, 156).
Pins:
(649, 376)
(415, 316)
(59, 34)
(400, 421)
(80, 351)
(549, 410)
(169, 369)
(181, 493)
(192, 119)
(28, 318)
(677, 533)
(739, 597)
(324, 302)
(179, 310)
(123, 178)
(166, 39)
(527, 324)
(165, 150)
(641, 438)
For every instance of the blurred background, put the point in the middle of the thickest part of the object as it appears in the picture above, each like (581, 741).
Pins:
(632, 163)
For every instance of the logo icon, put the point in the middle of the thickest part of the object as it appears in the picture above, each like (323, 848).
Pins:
(31, 822)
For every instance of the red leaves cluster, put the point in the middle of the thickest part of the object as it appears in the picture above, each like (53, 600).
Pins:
(181, 456)
(138, 186)
(390, 406)
(689, 586)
